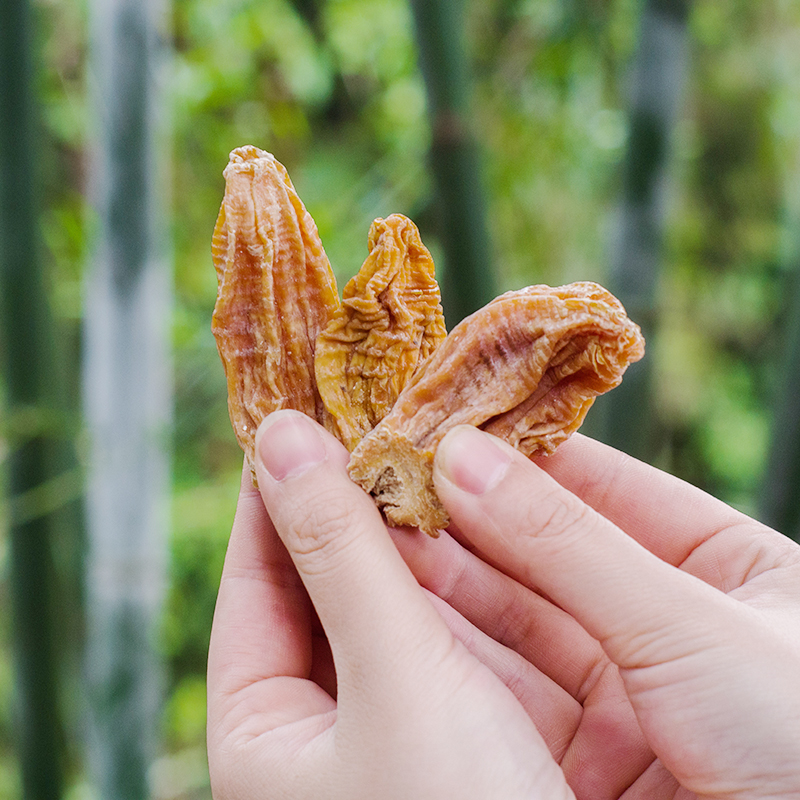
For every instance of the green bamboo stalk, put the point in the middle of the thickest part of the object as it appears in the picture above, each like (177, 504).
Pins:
(626, 416)
(27, 336)
(779, 500)
(468, 281)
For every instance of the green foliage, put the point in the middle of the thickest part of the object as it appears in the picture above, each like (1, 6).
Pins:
(332, 88)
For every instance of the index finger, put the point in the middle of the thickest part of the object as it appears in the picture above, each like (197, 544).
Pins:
(378, 621)
(642, 610)
(262, 617)
(677, 517)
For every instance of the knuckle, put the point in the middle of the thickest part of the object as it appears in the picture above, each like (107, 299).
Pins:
(516, 627)
(561, 517)
(448, 581)
(322, 526)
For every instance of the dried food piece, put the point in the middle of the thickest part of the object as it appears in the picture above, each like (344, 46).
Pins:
(526, 367)
(276, 292)
(389, 322)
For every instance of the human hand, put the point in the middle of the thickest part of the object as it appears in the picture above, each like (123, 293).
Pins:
(669, 623)
(375, 699)
(711, 678)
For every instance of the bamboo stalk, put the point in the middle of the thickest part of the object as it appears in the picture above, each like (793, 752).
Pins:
(468, 282)
(27, 331)
(127, 398)
(779, 505)
(626, 416)
(778, 498)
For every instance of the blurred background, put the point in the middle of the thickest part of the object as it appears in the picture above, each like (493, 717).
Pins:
(650, 145)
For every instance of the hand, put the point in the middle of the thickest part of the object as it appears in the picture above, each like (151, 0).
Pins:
(419, 715)
(669, 623)
(376, 699)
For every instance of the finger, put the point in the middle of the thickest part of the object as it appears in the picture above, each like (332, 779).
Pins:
(680, 523)
(655, 783)
(261, 601)
(555, 714)
(609, 750)
(374, 613)
(641, 609)
(505, 610)
(675, 520)
(261, 627)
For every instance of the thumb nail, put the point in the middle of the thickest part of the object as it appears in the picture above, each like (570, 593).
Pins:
(472, 460)
(288, 444)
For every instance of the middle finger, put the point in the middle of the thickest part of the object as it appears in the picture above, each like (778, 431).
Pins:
(504, 609)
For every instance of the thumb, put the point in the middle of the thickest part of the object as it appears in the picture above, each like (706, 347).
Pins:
(371, 607)
(643, 610)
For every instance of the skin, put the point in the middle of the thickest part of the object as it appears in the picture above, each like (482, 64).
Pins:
(588, 627)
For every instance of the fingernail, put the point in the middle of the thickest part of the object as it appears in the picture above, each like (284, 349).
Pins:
(470, 459)
(289, 445)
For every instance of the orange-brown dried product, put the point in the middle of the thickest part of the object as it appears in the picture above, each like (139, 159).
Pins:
(389, 322)
(526, 368)
(276, 292)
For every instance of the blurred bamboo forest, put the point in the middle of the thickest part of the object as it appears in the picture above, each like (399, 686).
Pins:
(334, 89)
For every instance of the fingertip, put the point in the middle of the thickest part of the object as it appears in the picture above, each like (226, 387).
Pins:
(288, 444)
(471, 460)
(303, 480)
